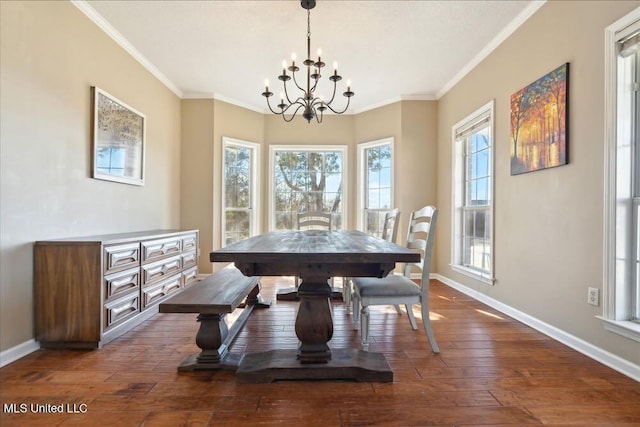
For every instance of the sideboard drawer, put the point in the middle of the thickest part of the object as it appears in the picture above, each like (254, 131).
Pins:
(189, 259)
(153, 294)
(163, 268)
(155, 249)
(189, 276)
(121, 309)
(119, 257)
(120, 283)
(190, 242)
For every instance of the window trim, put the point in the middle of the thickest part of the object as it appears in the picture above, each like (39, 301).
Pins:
(612, 316)
(360, 179)
(255, 190)
(317, 148)
(457, 159)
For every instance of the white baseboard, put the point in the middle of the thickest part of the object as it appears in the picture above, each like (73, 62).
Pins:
(17, 352)
(609, 359)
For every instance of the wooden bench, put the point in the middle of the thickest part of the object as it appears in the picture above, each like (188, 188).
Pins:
(214, 297)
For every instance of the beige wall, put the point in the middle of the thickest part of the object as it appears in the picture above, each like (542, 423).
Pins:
(548, 224)
(196, 173)
(51, 55)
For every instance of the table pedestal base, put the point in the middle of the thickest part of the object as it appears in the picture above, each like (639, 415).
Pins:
(345, 364)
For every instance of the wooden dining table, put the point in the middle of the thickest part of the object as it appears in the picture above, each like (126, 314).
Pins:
(315, 256)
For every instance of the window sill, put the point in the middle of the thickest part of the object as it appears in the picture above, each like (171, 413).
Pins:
(625, 328)
(474, 274)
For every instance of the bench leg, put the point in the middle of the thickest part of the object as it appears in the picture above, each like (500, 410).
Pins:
(210, 337)
(255, 299)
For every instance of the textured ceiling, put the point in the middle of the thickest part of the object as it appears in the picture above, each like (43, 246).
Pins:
(390, 50)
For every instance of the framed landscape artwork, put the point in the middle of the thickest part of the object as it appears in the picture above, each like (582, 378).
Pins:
(119, 133)
(539, 115)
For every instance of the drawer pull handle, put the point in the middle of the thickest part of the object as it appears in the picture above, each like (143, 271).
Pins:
(118, 310)
(129, 281)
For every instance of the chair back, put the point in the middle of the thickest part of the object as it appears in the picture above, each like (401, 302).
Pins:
(421, 236)
(315, 220)
(390, 225)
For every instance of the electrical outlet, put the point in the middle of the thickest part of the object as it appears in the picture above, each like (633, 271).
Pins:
(593, 297)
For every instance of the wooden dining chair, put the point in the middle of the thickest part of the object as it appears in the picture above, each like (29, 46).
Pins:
(389, 233)
(397, 289)
(314, 220)
(310, 220)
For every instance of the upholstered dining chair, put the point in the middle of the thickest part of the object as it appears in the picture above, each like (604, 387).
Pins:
(396, 289)
(389, 233)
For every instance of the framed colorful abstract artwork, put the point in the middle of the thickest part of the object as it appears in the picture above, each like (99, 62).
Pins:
(118, 140)
(539, 116)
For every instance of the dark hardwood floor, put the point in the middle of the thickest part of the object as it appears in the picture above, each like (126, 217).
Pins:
(492, 371)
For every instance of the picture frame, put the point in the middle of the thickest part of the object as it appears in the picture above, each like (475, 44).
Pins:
(539, 123)
(118, 134)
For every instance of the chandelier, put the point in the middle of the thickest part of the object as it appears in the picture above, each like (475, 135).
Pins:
(313, 105)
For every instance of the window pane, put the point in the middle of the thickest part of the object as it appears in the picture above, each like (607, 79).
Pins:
(473, 194)
(373, 199)
(237, 226)
(306, 181)
(374, 222)
(238, 164)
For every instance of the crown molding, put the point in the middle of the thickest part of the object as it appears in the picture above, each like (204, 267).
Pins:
(97, 19)
(497, 41)
(420, 97)
(220, 97)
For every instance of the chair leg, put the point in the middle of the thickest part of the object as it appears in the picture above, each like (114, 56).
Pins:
(296, 280)
(412, 318)
(398, 309)
(355, 309)
(426, 322)
(346, 294)
(364, 328)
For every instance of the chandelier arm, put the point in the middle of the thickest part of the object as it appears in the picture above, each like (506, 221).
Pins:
(291, 104)
(293, 115)
(296, 81)
(286, 93)
(313, 89)
(340, 112)
(333, 95)
(272, 110)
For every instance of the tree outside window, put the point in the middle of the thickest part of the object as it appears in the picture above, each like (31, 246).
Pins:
(307, 179)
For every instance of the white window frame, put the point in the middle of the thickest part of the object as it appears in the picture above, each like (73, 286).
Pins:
(362, 180)
(618, 289)
(458, 192)
(255, 190)
(308, 148)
